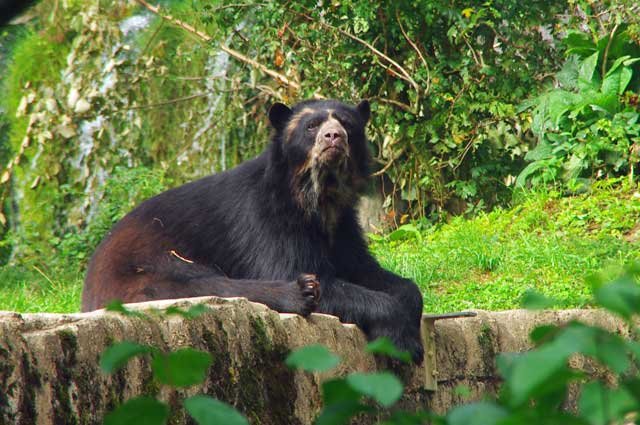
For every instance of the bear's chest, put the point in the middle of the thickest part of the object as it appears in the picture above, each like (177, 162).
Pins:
(274, 253)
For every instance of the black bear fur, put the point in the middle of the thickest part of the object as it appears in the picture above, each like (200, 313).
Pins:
(280, 229)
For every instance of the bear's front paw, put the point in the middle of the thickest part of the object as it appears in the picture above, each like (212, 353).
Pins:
(310, 290)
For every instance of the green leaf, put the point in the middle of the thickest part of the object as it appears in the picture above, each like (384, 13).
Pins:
(181, 368)
(624, 61)
(480, 413)
(413, 418)
(586, 74)
(193, 312)
(341, 413)
(543, 150)
(116, 306)
(117, 355)
(600, 405)
(529, 373)
(612, 351)
(209, 411)
(561, 102)
(312, 358)
(609, 349)
(587, 70)
(611, 83)
(383, 387)
(632, 385)
(625, 79)
(573, 167)
(406, 231)
(528, 171)
(341, 403)
(533, 300)
(383, 345)
(621, 296)
(568, 75)
(139, 411)
(336, 390)
(579, 43)
(543, 333)
(608, 103)
(462, 391)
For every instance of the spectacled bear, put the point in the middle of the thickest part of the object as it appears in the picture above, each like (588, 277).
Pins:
(280, 229)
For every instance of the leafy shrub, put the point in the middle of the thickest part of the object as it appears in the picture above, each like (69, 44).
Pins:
(588, 127)
(534, 390)
(122, 192)
(181, 368)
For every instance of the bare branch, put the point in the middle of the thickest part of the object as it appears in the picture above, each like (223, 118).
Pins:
(415, 47)
(403, 72)
(605, 55)
(237, 55)
(169, 102)
(396, 103)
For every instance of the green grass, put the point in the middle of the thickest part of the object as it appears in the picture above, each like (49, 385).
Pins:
(545, 242)
(30, 289)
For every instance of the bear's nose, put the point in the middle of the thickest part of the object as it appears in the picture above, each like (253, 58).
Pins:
(333, 134)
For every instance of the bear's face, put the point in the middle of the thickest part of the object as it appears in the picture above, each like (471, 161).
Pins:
(324, 147)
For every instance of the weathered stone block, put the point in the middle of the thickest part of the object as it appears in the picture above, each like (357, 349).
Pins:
(49, 371)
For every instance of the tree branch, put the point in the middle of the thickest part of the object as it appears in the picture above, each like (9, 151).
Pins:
(235, 54)
(415, 47)
(403, 72)
(605, 55)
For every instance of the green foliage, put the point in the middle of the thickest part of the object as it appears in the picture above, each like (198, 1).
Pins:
(535, 384)
(139, 411)
(193, 311)
(183, 367)
(383, 387)
(621, 296)
(122, 192)
(587, 128)
(343, 396)
(481, 413)
(533, 300)
(534, 390)
(87, 94)
(384, 346)
(48, 275)
(445, 79)
(87, 98)
(208, 411)
(313, 358)
(118, 355)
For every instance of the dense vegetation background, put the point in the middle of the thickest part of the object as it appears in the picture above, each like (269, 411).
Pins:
(530, 111)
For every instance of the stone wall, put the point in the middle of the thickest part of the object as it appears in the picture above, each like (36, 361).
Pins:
(49, 371)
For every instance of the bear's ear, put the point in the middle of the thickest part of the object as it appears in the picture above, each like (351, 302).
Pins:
(364, 109)
(279, 115)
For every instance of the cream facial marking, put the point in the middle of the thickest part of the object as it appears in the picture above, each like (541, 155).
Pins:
(293, 123)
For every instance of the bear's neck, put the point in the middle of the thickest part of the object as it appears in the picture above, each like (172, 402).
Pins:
(323, 194)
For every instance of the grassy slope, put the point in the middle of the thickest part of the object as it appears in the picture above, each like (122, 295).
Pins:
(546, 242)
(27, 290)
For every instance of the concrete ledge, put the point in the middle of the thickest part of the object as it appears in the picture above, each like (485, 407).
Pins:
(49, 371)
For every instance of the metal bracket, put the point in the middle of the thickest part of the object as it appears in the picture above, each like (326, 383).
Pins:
(428, 331)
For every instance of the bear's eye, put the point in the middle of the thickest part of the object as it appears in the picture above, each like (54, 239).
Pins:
(312, 125)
